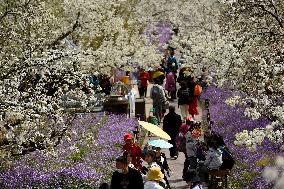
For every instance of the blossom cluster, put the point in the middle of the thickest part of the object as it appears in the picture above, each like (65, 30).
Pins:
(84, 158)
(231, 122)
(275, 173)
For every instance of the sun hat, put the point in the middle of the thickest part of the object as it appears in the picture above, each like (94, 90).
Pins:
(157, 74)
(128, 136)
(155, 173)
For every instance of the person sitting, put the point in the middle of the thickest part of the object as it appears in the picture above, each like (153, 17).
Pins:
(155, 179)
(212, 162)
(125, 177)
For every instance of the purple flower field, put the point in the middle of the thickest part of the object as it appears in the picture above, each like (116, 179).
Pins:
(230, 120)
(84, 158)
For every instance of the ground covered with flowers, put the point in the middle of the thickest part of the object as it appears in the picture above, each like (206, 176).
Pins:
(83, 159)
(254, 153)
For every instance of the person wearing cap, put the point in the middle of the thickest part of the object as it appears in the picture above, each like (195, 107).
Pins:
(134, 148)
(125, 177)
(155, 179)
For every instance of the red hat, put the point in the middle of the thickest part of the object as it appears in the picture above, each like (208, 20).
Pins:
(128, 136)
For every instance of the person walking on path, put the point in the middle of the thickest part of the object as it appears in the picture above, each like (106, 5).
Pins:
(183, 133)
(143, 83)
(157, 93)
(192, 109)
(170, 85)
(171, 125)
(172, 64)
(125, 177)
(184, 99)
(133, 148)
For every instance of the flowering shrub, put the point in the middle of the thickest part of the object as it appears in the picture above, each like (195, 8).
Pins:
(83, 159)
(275, 173)
(229, 121)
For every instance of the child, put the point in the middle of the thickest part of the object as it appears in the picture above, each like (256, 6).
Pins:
(152, 119)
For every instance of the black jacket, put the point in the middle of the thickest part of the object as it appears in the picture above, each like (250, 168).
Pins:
(171, 124)
(131, 180)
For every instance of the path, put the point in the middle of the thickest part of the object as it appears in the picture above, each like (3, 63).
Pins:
(176, 166)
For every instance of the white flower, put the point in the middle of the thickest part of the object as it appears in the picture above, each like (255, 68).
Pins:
(279, 161)
(280, 183)
(270, 174)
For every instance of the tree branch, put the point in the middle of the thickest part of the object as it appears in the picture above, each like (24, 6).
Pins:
(274, 15)
(66, 34)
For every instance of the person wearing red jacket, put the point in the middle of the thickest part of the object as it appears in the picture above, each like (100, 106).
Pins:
(143, 83)
(134, 148)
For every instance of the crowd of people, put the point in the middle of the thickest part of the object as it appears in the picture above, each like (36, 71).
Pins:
(204, 151)
(137, 169)
(149, 169)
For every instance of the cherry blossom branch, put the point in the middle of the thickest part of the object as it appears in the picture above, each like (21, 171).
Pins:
(66, 34)
(274, 15)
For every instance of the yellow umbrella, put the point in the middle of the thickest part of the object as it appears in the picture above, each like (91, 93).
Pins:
(155, 130)
(157, 74)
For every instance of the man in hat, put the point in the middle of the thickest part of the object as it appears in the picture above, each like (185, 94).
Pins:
(125, 177)
(134, 149)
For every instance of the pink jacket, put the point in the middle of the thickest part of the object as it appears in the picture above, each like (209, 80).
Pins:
(170, 82)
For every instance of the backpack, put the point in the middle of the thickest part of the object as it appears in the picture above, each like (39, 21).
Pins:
(156, 92)
(197, 90)
(228, 159)
(184, 96)
(181, 142)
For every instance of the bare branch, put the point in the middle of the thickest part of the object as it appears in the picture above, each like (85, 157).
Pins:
(274, 15)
